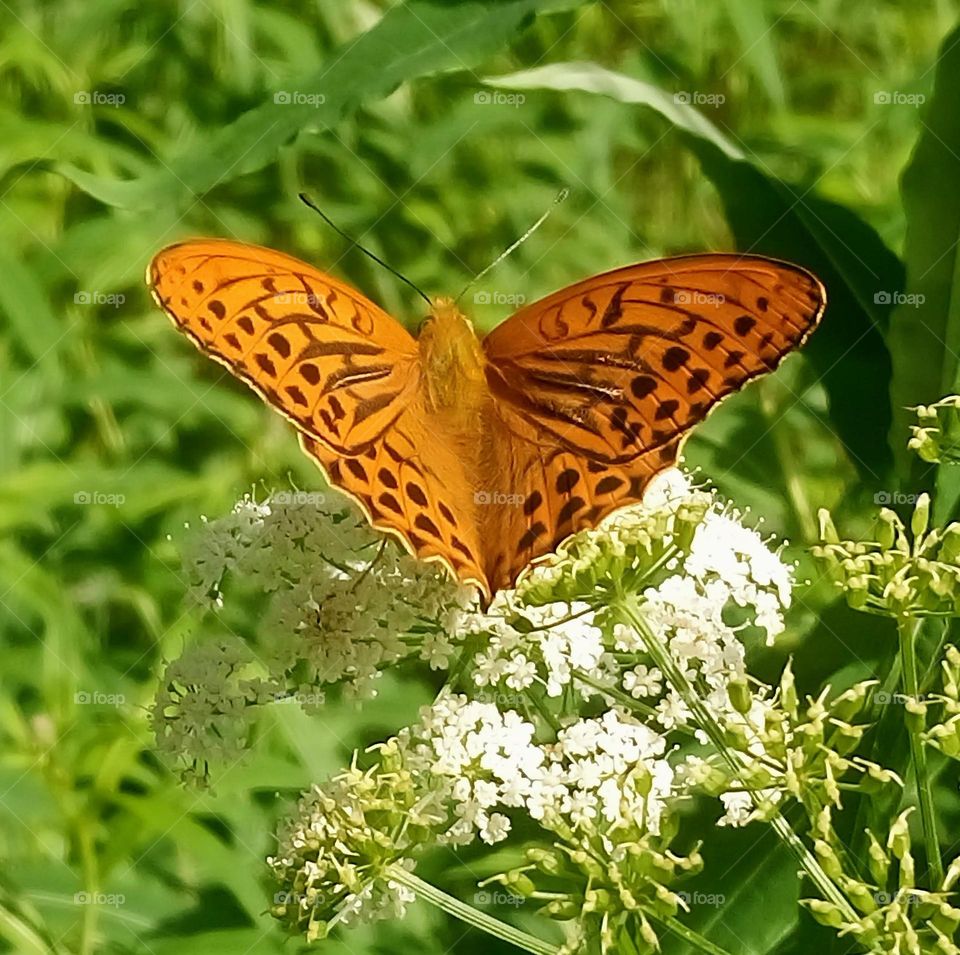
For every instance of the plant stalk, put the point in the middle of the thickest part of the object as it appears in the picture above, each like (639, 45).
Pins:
(908, 628)
(470, 915)
(692, 938)
(661, 656)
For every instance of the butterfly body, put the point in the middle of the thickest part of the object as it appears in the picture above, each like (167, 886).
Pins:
(485, 454)
(452, 359)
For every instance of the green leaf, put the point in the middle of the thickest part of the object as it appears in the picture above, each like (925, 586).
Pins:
(414, 39)
(27, 309)
(770, 217)
(744, 901)
(925, 327)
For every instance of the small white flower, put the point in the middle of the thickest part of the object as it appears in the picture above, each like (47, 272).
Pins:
(672, 711)
(739, 808)
(496, 830)
(520, 672)
(643, 681)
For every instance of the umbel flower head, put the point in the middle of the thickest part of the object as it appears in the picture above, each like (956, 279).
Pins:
(699, 577)
(336, 605)
(558, 718)
(601, 788)
(903, 571)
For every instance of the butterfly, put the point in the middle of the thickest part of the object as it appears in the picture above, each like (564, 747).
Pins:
(484, 454)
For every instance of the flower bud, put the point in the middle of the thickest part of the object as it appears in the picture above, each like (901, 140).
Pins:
(898, 841)
(741, 699)
(950, 544)
(828, 533)
(546, 860)
(563, 910)
(826, 913)
(828, 859)
(877, 860)
(885, 529)
(921, 517)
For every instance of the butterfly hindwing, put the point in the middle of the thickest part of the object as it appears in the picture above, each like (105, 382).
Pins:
(555, 492)
(413, 486)
(625, 362)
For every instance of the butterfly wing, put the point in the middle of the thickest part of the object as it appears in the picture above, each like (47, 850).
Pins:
(625, 362)
(343, 371)
(555, 492)
(597, 385)
(327, 358)
(411, 483)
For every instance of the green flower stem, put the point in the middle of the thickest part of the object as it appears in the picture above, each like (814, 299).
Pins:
(908, 628)
(630, 611)
(470, 915)
(692, 938)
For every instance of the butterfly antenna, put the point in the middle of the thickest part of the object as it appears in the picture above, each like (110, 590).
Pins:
(307, 201)
(557, 199)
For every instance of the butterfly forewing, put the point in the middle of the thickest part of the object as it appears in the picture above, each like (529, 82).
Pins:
(334, 363)
(625, 362)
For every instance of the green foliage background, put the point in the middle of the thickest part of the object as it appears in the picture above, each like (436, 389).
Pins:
(124, 126)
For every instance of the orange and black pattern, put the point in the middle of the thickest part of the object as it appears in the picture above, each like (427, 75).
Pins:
(586, 394)
(625, 362)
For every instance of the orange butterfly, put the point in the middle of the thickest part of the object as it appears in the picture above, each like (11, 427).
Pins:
(486, 454)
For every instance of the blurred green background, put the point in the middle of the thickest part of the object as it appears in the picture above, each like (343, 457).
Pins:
(775, 126)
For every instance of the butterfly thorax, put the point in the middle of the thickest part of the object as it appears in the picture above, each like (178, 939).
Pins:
(452, 359)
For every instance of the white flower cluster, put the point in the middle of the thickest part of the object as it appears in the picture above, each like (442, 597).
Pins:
(697, 569)
(334, 858)
(457, 775)
(565, 639)
(343, 602)
(205, 703)
(610, 768)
